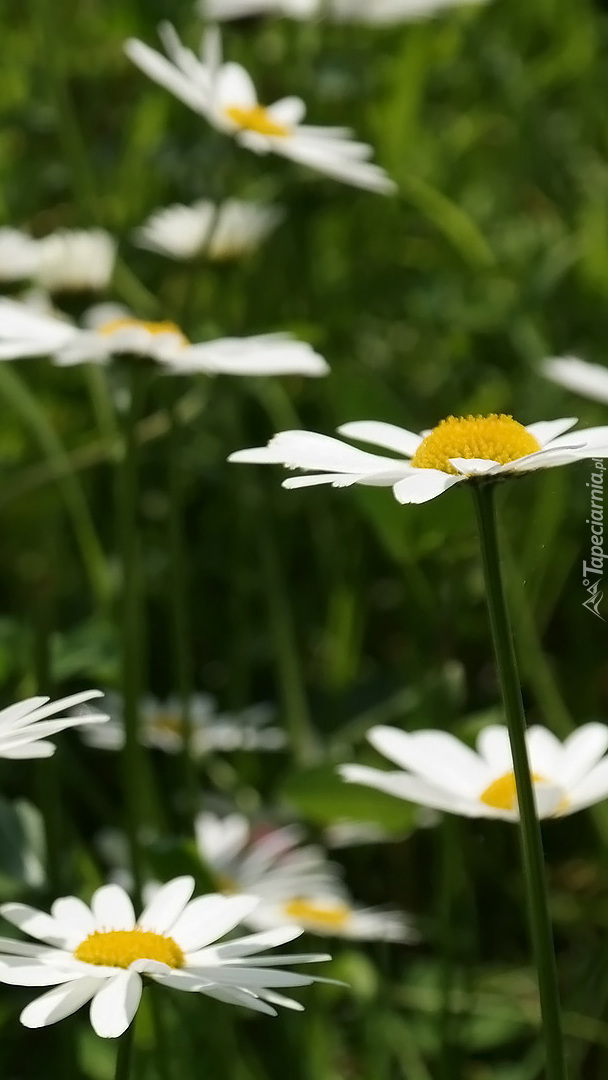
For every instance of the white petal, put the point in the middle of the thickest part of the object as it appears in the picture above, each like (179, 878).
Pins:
(112, 908)
(412, 789)
(58, 1003)
(544, 752)
(388, 436)
(161, 71)
(115, 1004)
(75, 915)
(436, 756)
(581, 752)
(289, 111)
(591, 789)
(425, 485)
(234, 88)
(544, 431)
(38, 924)
(589, 380)
(493, 745)
(167, 905)
(208, 918)
(473, 466)
(26, 750)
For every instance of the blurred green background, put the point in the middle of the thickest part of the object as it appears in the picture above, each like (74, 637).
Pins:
(340, 606)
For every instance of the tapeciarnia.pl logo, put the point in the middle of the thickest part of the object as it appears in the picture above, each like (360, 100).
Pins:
(593, 570)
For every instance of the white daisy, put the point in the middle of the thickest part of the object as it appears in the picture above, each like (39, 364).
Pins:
(221, 231)
(25, 727)
(294, 882)
(18, 254)
(443, 773)
(74, 260)
(378, 12)
(110, 330)
(458, 449)
(588, 380)
(226, 96)
(100, 953)
(161, 725)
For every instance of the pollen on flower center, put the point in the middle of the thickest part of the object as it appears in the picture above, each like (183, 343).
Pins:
(154, 328)
(119, 948)
(307, 911)
(501, 794)
(497, 438)
(256, 118)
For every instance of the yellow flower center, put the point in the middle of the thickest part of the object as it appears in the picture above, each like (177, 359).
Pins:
(226, 885)
(501, 794)
(167, 723)
(256, 118)
(307, 912)
(119, 948)
(494, 438)
(154, 328)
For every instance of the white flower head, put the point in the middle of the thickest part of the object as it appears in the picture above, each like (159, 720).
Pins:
(439, 771)
(293, 881)
(18, 254)
(588, 380)
(75, 260)
(161, 725)
(25, 727)
(225, 95)
(220, 232)
(101, 954)
(458, 449)
(372, 12)
(109, 330)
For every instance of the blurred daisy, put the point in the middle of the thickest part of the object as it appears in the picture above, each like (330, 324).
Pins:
(75, 260)
(588, 380)
(458, 449)
(100, 953)
(18, 255)
(294, 882)
(441, 772)
(110, 330)
(161, 725)
(219, 231)
(365, 11)
(226, 96)
(25, 727)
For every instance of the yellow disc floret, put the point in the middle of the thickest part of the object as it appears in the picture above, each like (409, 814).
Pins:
(114, 326)
(322, 916)
(119, 948)
(257, 118)
(501, 794)
(493, 438)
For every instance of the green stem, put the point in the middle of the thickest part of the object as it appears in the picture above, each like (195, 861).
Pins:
(178, 600)
(530, 834)
(124, 1053)
(131, 623)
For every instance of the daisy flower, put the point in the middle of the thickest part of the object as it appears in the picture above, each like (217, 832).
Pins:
(18, 254)
(109, 330)
(294, 882)
(221, 231)
(226, 96)
(377, 12)
(588, 380)
(74, 260)
(102, 954)
(459, 449)
(25, 727)
(161, 725)
(439, 771)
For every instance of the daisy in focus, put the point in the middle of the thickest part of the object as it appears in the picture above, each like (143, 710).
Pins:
(25, 727)
(438, 770)
(294, 882)
(378, 12)
(110, 330)
(458, 449)
(220, 232)
(161, 726)
(68, 260)
(102, 953)
(225, 95)
(588, 380)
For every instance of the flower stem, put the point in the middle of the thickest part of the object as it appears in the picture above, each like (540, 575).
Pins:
(530, 834)
(124, 1054)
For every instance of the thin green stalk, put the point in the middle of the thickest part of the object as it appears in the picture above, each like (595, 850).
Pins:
(531, 840)
(161, 1038)
(180, 613)
(124, 1053)
(131, 623)
(449, 858)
